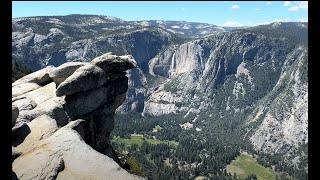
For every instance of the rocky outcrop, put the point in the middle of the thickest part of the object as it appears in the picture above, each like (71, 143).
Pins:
(112, 63)
(62, 123)
(40, 77)
(65, 70)
(83, 79)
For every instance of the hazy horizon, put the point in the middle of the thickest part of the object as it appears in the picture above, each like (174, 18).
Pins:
(230, 14)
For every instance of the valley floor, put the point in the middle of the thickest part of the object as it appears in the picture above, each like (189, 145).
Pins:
(246, 164)
(139, 139)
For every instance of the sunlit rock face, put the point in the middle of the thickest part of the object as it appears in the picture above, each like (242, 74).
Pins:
(62, 119)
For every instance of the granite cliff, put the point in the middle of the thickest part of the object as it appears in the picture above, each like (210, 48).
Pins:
(62, 118)
(231, 73)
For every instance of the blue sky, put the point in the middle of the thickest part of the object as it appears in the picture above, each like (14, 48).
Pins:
(223, 13)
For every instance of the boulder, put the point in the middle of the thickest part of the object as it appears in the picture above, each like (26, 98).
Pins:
(45, 165)
(30, 134)
(52, 108)
(114, 77)
(40, 77)
(61, 73)
(28, 116)
(24, 104)
(82, 103)
(113, 63)
(84, 78)
(39, 95)
(38, 102)
(64, 155)
(85, 102)
(15, 114)
(23, 88)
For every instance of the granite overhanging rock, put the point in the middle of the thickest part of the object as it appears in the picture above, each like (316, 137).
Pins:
(65, 113)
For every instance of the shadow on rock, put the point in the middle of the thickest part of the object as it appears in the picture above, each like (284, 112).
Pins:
(14, 176)
(19, 133)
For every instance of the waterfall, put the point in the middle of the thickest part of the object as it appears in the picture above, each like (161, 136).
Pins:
(171, 71)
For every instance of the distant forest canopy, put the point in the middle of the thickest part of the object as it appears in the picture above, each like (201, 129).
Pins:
(19, 70)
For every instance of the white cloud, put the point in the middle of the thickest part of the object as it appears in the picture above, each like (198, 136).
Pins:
(286, 3)
(262, 23)
(303, 5)
(294, 8)
(299, 5)
(182, 9)
(269, 3)
(231, 24)
(235, 7)
(257, 9)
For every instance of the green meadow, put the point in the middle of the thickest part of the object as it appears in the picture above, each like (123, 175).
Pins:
(244, 165)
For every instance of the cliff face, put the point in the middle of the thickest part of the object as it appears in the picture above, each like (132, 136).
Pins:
(284, 111)
(256, 76)
(62, 119)
(199, 68)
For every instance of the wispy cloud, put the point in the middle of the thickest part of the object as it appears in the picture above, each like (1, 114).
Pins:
(182, 9)
(231, 24)
(257, 9)
(262, 23)
(235, 7)
(294, 8)
(298, 5)
(269, 3)
(286, 3)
